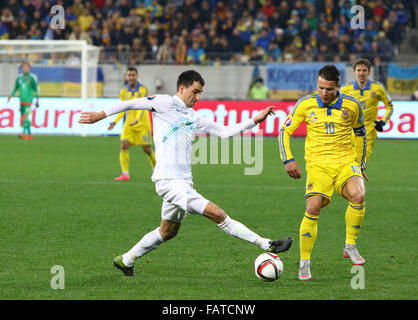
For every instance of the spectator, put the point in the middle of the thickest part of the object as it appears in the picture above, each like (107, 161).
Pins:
(124, 7)
(156, 9)
(153, 49)
(385, 47)
(268, 8)
(85, 20)
(70, 17)
(195, 54)
(126, 35)
(77, 8)
(263, 39)
(4, 32)
(138, 52)
(28, 8)
(15, 30)
(235, 42)
(181, 50)
(13, 6)
(258, 91)
(166, 52)
(78, 34)
(215, 50)
(109, 9)
(7, 17)
(274, 53)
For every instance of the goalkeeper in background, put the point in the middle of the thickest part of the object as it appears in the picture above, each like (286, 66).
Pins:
(27, 84)
(137, 126)
(369, 93)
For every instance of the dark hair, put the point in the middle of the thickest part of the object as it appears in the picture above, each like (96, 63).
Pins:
(330, 73)
(131, 68)
(187, 78)
(362, 61)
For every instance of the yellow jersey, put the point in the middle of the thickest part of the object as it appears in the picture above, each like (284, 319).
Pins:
(329, 130)
(141, 115)
(370, 96)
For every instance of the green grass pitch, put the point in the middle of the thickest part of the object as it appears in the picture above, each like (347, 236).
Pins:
(60, 206)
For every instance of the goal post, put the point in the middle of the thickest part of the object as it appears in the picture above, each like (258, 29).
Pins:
(70, 67)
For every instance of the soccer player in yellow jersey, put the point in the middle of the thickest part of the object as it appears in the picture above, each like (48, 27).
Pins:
(137, 126)
(331, 160)
(369, 93)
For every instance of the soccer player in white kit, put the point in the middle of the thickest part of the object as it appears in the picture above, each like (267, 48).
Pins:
(175, 123)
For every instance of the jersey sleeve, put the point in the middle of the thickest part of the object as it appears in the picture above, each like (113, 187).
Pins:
(118, 117)
(385, 97)
(292, 122)
(122, 94)
(35, 85)
(157, 103)
(16, 87)
(218, 130)
(360, 135)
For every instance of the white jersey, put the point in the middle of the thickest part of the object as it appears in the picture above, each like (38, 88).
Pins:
(174, 128)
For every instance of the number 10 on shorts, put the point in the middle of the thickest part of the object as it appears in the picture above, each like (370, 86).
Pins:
(356, 169)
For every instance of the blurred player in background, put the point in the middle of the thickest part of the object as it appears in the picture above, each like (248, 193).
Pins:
(175, 124)
(27, 85)
(369, 93)
(137, 125)
(330, 118)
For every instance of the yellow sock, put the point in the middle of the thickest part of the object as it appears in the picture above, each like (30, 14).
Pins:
(353, 220)
(307, 235)
(151, 158)
(124, 160)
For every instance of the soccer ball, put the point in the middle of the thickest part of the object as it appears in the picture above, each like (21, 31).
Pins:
(268, 266)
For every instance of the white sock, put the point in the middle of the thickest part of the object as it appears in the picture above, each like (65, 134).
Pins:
(126, 172)
(148, 243)
(302, 262)
(238, 230)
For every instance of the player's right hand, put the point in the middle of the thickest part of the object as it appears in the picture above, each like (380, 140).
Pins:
(111, 125)
(91, 117)
(293, 169)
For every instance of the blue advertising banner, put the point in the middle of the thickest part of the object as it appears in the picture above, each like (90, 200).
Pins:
(290, 81)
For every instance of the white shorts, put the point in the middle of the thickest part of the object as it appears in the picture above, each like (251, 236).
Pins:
(179, 197)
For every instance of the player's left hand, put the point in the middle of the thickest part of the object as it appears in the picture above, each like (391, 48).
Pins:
(363, 173)
(264, 114)
(91, 117)
(379, 125)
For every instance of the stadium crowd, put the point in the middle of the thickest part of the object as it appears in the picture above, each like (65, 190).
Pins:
(211, 31)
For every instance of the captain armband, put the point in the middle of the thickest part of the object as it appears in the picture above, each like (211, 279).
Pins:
(360, 131)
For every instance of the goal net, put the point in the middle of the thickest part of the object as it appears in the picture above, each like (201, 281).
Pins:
(64, 68)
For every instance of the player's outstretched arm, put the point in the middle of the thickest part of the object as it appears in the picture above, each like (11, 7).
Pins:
(264, 114)
(91, 117)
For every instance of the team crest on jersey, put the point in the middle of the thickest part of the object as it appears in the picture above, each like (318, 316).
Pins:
(345, 113)
(313, 117)
(151, 98)
(288, 122)
(373, 94)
